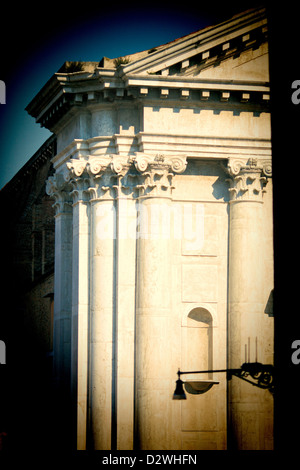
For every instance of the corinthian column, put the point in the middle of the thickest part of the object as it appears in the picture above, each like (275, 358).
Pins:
(154, 322)
(60, 191)
(104, 180)
(248, 405)
(102, 306)
(80, 296)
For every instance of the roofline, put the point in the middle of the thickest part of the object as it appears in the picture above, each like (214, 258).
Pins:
(27, 167)
(54, 95)
(205, 34)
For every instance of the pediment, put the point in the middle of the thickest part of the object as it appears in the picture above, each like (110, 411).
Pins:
(227, 62)
(211, 51)
(249, 64)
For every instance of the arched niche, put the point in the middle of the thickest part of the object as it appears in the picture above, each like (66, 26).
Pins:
(197, 342)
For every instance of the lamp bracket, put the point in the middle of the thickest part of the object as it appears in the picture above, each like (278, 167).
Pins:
(257, 374)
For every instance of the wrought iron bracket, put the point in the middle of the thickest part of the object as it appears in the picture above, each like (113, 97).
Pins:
(257, 374)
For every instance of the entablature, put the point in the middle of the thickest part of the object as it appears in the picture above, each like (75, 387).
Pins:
(238, 97)
(170, 72)
(191, 146)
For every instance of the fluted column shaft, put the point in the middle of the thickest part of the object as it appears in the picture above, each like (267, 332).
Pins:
(118, 298)
(80, 307)
(62, 318)
(154, 323)
(245, 298)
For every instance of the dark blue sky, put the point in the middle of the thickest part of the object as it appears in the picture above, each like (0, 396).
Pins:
(43, 40)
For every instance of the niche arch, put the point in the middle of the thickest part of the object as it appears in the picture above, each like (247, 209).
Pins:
(197, 341)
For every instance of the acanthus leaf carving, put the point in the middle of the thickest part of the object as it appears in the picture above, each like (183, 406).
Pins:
(157, 172)
(246, 180)
(110, 175)
(59, 190)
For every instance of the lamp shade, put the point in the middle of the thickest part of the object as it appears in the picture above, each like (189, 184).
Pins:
(201, 386)
(179, 392)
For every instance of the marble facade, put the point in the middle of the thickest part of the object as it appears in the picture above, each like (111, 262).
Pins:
(163, 239)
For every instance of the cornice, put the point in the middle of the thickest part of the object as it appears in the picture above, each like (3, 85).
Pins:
(200, 42)
(150, 77)
(234, 96)
(197, 83)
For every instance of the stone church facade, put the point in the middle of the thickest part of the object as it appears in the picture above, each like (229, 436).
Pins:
(163, 240)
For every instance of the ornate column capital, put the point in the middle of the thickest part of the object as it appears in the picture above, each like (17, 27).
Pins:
(112, 175)
(248, 178)
(157, 173)
(97, 177)
(57, 188)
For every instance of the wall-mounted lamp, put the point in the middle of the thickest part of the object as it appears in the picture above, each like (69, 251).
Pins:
(255, 373)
